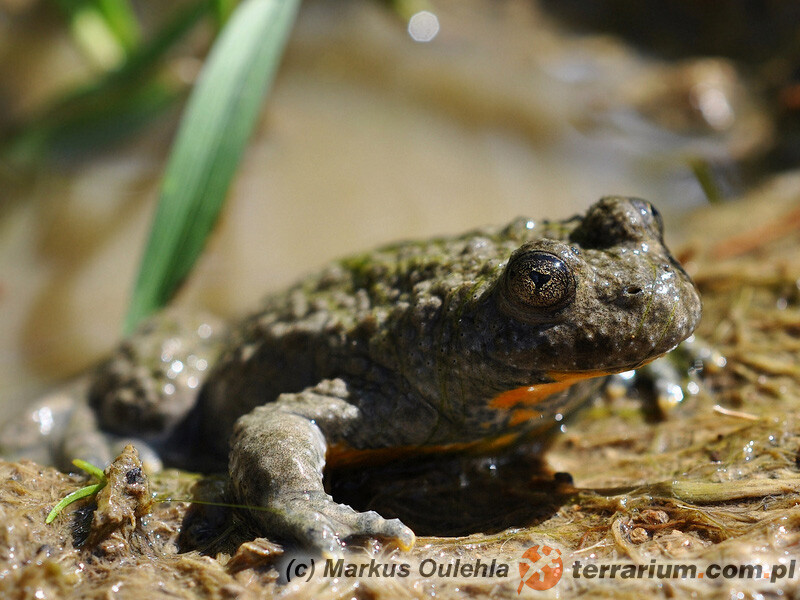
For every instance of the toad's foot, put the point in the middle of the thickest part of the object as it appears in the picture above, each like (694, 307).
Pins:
(84, 439)
(276, 463)
(61, 427)
(315, 521)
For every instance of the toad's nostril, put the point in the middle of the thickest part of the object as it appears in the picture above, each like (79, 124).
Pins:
(632, 290)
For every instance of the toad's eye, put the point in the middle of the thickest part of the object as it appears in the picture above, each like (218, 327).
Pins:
(658, 219)
(537, 280)
(650, 214)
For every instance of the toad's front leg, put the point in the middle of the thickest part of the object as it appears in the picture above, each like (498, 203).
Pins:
(276, 464)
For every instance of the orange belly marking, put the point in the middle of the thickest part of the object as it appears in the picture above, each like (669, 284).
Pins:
(345, 456)
(521, 400)
(534, 394)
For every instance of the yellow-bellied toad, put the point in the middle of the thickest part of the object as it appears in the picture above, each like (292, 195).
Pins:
(451, 343)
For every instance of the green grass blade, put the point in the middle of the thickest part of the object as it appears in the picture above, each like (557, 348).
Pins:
(216, 125)
(107, 30)
(92, 33)
(405, 9)
(121, 21)
(84, 492)
(150, 53)
(89, 490)
(98, 125)
(223, 10)
(90, 468)
(119, 101)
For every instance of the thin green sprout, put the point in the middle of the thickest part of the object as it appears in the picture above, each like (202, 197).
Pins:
(91, 490)
(84, 492)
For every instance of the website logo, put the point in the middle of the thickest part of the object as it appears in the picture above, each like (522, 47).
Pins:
(540, 568)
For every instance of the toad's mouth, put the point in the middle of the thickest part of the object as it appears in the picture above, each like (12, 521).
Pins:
(535, 394)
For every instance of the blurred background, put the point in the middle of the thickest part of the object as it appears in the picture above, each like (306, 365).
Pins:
(387, 120)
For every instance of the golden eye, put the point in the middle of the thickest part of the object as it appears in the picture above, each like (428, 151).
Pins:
(538, 280)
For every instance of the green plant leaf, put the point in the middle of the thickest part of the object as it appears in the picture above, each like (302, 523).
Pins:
(223, 10)
(216, 125)
(90, 468)
(89, 490)
(98, 112)
(121, 21)
(106, 30)
(92, 33)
